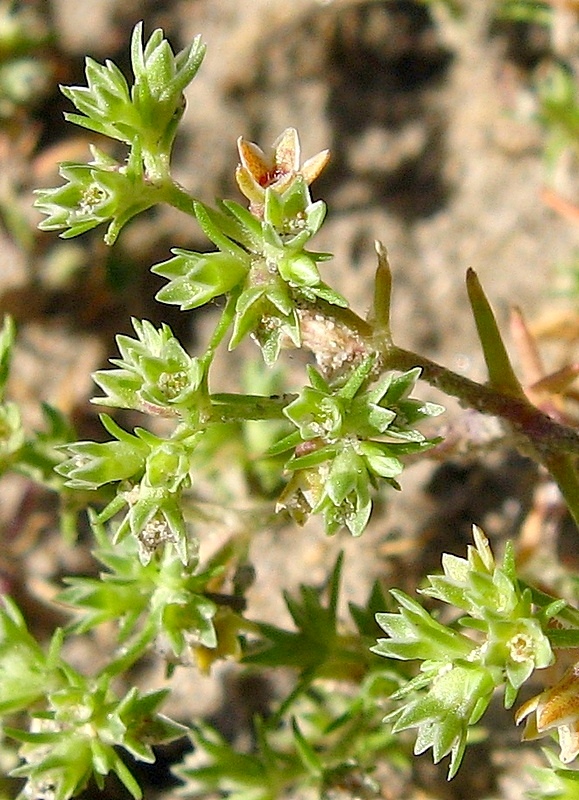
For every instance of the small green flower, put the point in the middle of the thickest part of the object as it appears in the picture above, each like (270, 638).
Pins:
(77, 737)
(157, 94)
(338, 488)
(155, 515)
(519, 646)
(155, 373)
(459, 672)
(348, 438)
(93, 464)
(155, 519)
(267, 310)
(146, 115)
(491, 595)
(457, 698)
(196, 278)
(345, 501)
(69, 768)
(101, 191)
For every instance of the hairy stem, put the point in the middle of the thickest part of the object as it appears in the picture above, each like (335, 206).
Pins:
(551, 443)
(175, 195)
(545, 434)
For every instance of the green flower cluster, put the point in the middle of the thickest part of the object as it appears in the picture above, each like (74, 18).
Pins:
(96, 192)
(261, 263)
(155, 373)
(348, 437)
(80, 722)
(459, 672)
(156, 471)
(108, 107)
(162, 600)
(144, 117)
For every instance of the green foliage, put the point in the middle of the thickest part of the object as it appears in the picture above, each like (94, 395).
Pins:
(337, 439)
(78, 721)
(161, 597)
(554, 782)
(317, 648)
(334, 746)
(323, 736)
(534, 11)
(508, 640)
(75, 738)
(338, 454)
(559, 112)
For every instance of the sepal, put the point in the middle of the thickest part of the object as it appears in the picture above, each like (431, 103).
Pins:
(99, 191)
(93, 464)
(155, 373)
(77, 737)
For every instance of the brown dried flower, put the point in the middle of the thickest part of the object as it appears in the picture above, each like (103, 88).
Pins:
(557, 707)
(277, 169)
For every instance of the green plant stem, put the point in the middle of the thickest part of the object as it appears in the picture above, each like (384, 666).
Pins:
(546, 435)
(175, 195)
(237, 408)
(554, 445)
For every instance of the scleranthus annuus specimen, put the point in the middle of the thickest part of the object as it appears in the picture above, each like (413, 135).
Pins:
(322, 447)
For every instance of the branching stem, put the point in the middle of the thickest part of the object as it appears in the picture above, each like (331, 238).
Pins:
(551, 443)
(178, 197)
